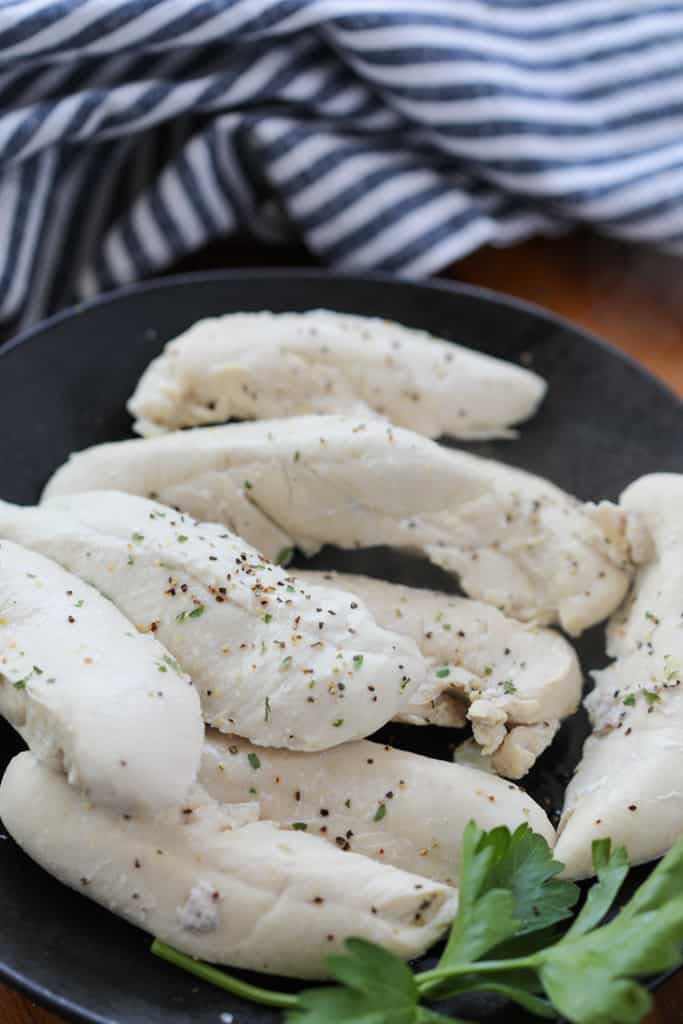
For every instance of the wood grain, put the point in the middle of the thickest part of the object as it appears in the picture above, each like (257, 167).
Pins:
(628, 295)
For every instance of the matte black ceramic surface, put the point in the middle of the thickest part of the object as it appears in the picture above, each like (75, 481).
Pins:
(64, 387)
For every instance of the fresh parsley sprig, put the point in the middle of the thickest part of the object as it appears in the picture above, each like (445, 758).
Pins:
(506, 940)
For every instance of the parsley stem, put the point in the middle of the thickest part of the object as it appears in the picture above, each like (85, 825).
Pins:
(427, 980)
(253, 993)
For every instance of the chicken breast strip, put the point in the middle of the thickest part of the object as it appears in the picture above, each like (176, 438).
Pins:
(278, 661)
(397, 807)
(628, 784)
(88, 693)
(253, 366)
(247, 895)
(514, 540)
(513, 683)
(657, 593)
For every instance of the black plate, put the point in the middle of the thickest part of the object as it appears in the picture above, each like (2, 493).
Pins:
(64, 386)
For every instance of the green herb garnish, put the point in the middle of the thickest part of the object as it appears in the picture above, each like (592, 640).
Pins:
(284, 556)
(505, 940)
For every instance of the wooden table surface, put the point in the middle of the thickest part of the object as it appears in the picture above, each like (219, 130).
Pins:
(626, 294)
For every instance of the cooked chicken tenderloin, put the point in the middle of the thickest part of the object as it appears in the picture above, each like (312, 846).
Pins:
(657, 593)
(513, 682)
(514, 540)
(88, 693)
(628, 782)
(282, 663)
(627, 785)
(253, 366)
(246, 895)
(397, 807)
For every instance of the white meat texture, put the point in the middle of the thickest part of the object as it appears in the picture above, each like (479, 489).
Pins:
(628, 784)
(216, 885)
(513, 682)
(392, 805)
(88, 693)
(275, 660)
(253, 366)
(513, 539)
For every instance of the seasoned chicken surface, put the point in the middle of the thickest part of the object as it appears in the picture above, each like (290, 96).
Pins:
(197, 876)
(482, 666)
(514, 540)
(281, 662)
(397, 807)
(88, 693)
(253, 366)
(657, 593)
(629, 782)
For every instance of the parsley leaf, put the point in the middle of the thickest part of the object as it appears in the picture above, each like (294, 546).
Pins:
(284, 557)
(611, 870)
(645, 937)
(510, 903)
(526, 868)
(485, 913)
(378, 989)
(508, 890)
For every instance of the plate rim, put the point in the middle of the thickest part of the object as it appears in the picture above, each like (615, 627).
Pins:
(20, 982)
(454, 287)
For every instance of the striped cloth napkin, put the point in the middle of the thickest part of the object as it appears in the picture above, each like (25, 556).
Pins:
(392, 134)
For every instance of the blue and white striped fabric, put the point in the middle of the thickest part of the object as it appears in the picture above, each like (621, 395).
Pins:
(392, 134)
